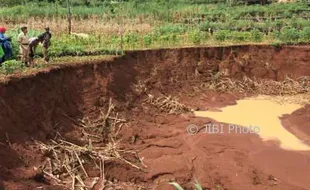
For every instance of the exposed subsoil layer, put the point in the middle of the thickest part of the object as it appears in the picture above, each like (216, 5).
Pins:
(34, 107)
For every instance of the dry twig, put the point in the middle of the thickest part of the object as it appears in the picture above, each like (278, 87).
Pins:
(67, 159)
(288, 86)
(167, 104)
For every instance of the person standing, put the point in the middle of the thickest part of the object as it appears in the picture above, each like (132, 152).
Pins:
(46, 42)
(23, 41)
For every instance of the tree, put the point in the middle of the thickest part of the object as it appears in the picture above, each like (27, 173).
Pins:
(69, 16)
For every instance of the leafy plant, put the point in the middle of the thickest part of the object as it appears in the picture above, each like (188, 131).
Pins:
(289, 34)
(257, 36)
(221, 35)
(305, 34)
(170, 28)
(205, 26)
(240, 36)
(147, 40)
(11, 66)
(196, 36)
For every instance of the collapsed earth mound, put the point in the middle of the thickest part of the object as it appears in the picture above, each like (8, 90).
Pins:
(122, 123)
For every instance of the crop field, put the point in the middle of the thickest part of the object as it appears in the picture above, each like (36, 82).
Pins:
(157, 95)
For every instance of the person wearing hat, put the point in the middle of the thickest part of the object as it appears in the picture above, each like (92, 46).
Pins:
(5, 46)
(23, 41)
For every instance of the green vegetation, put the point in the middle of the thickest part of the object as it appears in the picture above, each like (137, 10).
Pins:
(11, 66)
(114, 26)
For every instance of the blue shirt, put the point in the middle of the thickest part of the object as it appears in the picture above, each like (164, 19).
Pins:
(3, 37)
(5, 43)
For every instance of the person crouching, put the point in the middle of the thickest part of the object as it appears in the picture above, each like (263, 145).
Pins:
(34, 42)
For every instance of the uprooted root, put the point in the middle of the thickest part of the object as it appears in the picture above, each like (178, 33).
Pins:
(68, 163)
(260, 86)
(167, 104)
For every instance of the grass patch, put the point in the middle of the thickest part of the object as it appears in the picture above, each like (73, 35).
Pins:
(115, 27)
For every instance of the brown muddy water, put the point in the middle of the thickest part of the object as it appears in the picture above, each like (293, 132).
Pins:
(264, 113)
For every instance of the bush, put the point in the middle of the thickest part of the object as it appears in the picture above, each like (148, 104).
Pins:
(11, 66)
(256, 35)
(196, 36)
(305, 34)
(278, 24)
(131, 38)
(221, 35)
(205, 26)
(164, 38)
(240, 36)
(174, 38)
(275, 34)
(289, 34)
(242, 25)
(147, 39)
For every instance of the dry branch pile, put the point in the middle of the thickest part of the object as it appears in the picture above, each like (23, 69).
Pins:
(68, 164)
(225, 84)
(167, 104)
(260, 86)
(285, 87)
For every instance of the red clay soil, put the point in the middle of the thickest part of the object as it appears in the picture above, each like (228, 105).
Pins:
(298, 123)
(33, 107)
